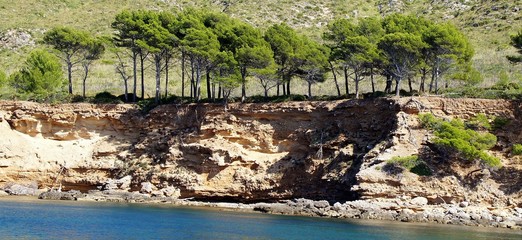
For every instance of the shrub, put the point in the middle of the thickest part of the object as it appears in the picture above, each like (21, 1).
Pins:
(411, 163)
(105, 97)
(146, 105)
(40, 79)
(500, 122)
(429, 121)
(3, 79)
(456, 136)
(517, 149)
(479, 122)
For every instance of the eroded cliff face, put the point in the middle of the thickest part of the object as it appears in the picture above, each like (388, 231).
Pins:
(252, 152)
(454, 180)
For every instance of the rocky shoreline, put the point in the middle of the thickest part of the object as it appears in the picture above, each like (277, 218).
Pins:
(403, 210)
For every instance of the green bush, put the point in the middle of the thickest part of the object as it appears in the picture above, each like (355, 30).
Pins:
(105, 97)
(517, 149)
(146, 105)
(456, 136)
(412, 163)
(3, 79)
(500, 122)
(429, 121)
(40, 79)
(479, 122)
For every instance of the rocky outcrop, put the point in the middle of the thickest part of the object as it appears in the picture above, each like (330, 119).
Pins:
(454, 181)
(400, 210)
(333, 151)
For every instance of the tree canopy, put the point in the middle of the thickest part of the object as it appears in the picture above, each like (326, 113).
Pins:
(227, 52)
(41, 75)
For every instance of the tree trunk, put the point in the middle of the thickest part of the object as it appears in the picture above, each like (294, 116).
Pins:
(335, 78)
(192, 87)
(437, 72)
(126, 94)
(288, 86)
(372, 80)
(142, 72)
(345, 71)
(357, 80)
(213, 92)
(182, 74)
(209, 92)
(309, 90)
(410, 84)
(388, 87)
(69, 73)
(167, 58)
(219, 90)
(157, 62)
(134, 74)
(397, 86)
(86, 72)
(243, 84)
(197, 81)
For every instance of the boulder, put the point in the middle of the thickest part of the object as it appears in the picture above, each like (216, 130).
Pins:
(55, 195)
(147, 187)
(463, 204)
(419, 201)
(321, 204)
(117, 184)
(3, 193)
(20, 190)
(171, 192)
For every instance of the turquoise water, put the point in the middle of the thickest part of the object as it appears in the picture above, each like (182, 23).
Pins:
(76, 220)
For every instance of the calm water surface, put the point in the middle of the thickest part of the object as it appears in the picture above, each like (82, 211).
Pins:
(38, 219)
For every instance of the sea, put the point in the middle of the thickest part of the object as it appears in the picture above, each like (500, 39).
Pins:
(40, 219)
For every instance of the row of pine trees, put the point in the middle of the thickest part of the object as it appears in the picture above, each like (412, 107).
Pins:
(224, 53)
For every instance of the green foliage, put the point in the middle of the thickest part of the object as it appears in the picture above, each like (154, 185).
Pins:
(146, 105)
(74, 46)
(3, 79)
(454, 135)
(41, 78)
(516, 41)
(468, 75)
(412, 163)
(105, 97)
(500, 122)
(429, 121)
(479, 122)
(517, 149)
(488, 28)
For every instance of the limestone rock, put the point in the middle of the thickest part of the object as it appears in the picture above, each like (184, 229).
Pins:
(20, 190)
(147, 187)
(171, 192)
(419, 201)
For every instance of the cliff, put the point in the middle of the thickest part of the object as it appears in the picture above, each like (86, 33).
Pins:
(255, 152)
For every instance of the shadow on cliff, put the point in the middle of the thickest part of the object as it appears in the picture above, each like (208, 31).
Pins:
(470, 173)
(325, 169)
